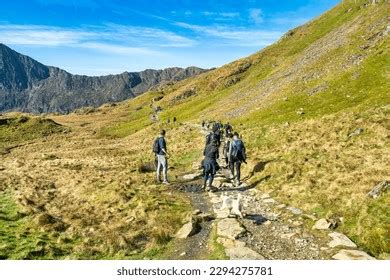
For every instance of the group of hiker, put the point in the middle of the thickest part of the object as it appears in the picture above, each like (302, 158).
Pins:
(233, 150)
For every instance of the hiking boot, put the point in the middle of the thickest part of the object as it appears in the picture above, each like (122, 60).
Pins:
(165, 182)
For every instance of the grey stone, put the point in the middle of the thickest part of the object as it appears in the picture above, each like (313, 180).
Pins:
(352, 255)
(230, 243)
(222, 213)
(269, 200)
(339, 239)
(243, 253)
(322, 224)
(229, 228)
(187, 230)
(356, 132)
(379, 189)
(294, 210)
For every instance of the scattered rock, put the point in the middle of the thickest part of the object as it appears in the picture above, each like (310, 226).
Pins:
(269, 200)
(321, 224)
(229, 228)
(196, 212)
(222, 213)
(280, 206)
(340, 239)
(379, 189)
(356, 132)
(352, 255)
(229, 243)
(243, 253)
(183, 254)
(188, 230)
(294, 210)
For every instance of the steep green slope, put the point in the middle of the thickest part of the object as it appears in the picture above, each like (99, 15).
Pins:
(295, 103)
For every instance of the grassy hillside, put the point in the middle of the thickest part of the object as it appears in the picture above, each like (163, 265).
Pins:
(295, 103)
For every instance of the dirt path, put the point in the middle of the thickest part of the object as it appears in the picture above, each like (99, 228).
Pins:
(197, 246)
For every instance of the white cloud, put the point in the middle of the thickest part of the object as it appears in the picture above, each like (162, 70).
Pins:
(235, 36)
(256, 15)
(107, 38)
(41, 35)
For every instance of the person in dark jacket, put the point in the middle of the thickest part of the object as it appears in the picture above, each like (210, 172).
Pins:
(228, 128)
(236, 155)
(162, 155)
(210, 165)
(226, 147)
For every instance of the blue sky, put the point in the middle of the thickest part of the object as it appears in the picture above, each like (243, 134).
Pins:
(95, 37)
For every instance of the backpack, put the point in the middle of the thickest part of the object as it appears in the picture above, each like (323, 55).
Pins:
(238, 150)
(210, 137)
(156, 146)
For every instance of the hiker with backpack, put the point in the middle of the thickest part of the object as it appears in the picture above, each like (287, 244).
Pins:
(210, 164)
(228, 128)
(214, 135)
(160, 150)
(236, 155)
(228, 139)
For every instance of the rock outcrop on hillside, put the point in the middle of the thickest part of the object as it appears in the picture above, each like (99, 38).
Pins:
(29, 86)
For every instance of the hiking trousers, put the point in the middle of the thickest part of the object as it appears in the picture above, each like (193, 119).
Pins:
(235, 168)
(162, 163)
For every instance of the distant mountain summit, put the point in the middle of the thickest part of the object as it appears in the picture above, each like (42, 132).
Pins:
(29, 86)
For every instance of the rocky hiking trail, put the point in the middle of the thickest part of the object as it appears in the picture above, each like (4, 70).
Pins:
(267, 229)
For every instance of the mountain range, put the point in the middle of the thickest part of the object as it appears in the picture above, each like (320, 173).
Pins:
(29, 86)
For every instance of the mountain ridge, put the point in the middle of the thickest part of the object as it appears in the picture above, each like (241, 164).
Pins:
(30, 86)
